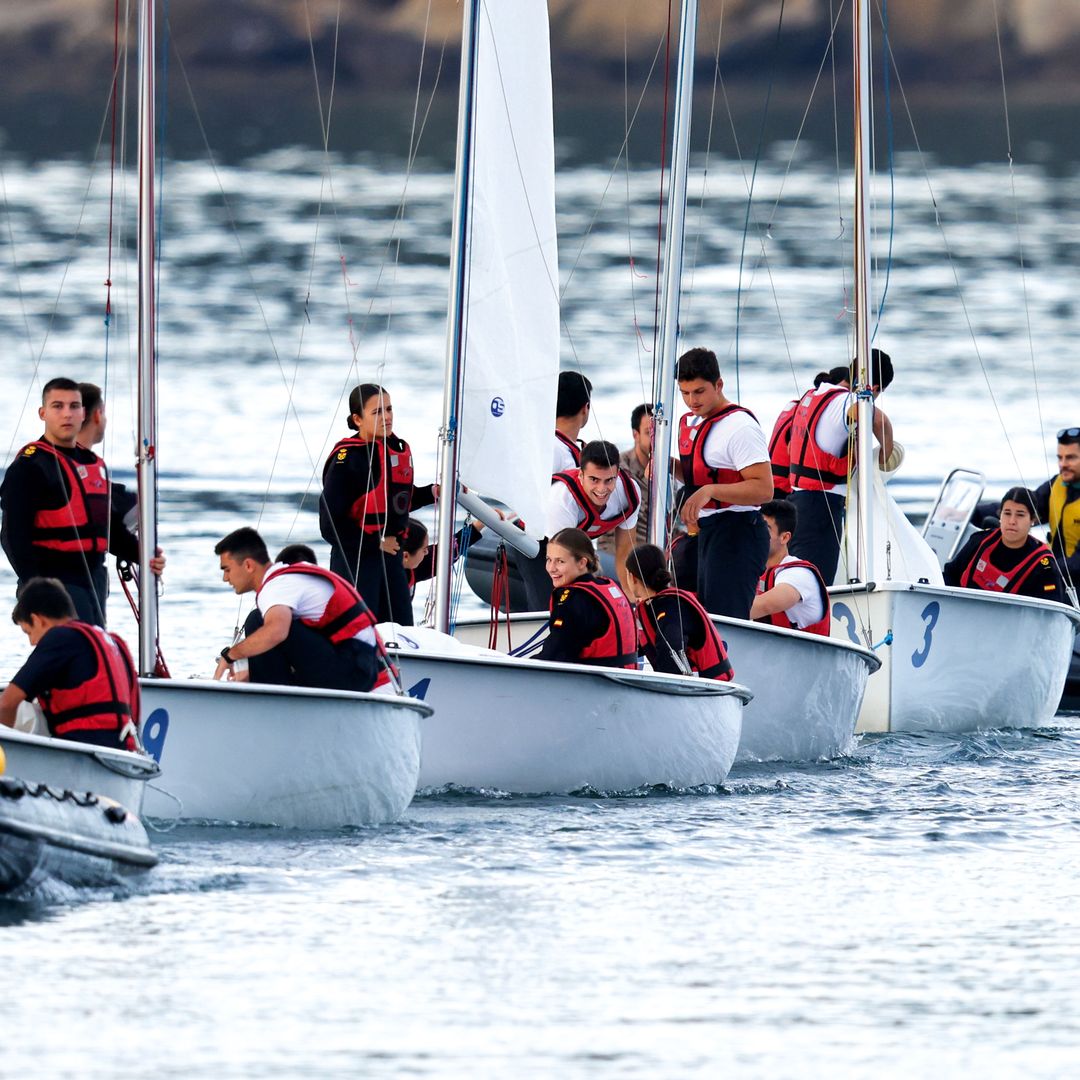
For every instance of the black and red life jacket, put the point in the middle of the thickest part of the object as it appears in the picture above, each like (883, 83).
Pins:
(384, 508)
(811, 468)
(981, 573)
(592, 524)
(345, 615)
(780, 450)
(617, 645)
(106, 702)
(575, 448)
(710, 659)
(779, 618)
(82, 523)
(696, 473)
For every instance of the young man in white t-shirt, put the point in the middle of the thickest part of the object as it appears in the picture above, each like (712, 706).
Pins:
(791, 592)
(724, 462)
(310, 627)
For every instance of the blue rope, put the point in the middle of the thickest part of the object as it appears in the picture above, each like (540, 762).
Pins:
(886, 67)
(458, 576)
(886, 640)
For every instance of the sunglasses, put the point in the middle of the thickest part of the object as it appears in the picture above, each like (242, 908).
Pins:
(1068, 433)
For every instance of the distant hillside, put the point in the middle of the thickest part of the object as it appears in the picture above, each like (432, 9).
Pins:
(64, 45)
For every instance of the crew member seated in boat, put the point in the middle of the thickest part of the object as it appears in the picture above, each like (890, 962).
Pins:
(724, 463)
(822, 430)
(367, 495)
(419, 552)
(677, 635)
(791, 592)
(635, 461)
(58, 518)
(310, 627)
(82, 676)
(598, 498)
(1007, 559)
(591, 621)
(572, 406)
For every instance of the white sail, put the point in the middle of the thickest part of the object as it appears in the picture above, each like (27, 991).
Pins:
(511, 292)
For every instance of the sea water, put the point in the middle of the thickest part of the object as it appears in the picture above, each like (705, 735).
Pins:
(910, 908)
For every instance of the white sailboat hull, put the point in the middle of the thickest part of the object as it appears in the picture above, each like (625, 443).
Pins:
(279, 755)
(533, 727)
(73, 766)
(959, 659)
(807, 691)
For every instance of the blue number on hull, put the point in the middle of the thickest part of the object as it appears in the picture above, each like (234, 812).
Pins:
(843, 613)
(154, 731)
(930, 615)
(419, 690)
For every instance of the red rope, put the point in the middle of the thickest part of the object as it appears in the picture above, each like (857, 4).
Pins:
(161, 669)
(500, 598)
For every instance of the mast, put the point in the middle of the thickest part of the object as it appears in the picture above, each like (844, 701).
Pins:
(146, 466)
(671, 282)
(864, 447)
(455, 322)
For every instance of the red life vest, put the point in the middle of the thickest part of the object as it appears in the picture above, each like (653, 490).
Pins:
(696, 473)
(981, 573)
(812, 469)
(384, 509)
(779, 618)
(82, 523)
(346, 614)
(107, 701)
(617, 645)
(780, 450)
(574, 447)
(592, 524)
(710, 659)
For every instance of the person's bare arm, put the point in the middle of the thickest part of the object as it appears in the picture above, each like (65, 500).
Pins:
(778, 598)
(624, 544)
(883, 434)
(755, 488)
(10, 700)
(274, 630)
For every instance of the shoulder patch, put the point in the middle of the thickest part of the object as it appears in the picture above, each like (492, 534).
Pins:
(1044, 562)
(30, 451)
(342, 452)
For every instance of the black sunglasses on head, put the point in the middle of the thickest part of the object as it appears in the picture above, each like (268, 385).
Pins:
(1069, 432)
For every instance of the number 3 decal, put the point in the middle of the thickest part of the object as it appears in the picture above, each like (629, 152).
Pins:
(930, 615)
(842, 613)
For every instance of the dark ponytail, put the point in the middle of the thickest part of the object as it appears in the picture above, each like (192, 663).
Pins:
(649, 565)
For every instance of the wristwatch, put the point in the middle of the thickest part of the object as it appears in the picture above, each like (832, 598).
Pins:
(224, 654)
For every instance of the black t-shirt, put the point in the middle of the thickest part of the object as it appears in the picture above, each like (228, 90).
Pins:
(62, 660)
(576, 620)
(678, 628)
(1043, 582)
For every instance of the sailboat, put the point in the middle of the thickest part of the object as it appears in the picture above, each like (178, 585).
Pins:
(278, 755)
(950, 655)
(808, 689)
(501, 722)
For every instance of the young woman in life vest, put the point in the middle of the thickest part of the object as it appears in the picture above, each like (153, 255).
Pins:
(677, 635)
(591, 620)
(364, 510)
(1007, 559)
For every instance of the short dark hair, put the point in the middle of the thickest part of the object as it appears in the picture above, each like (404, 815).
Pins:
(243, 543)
(359, 397)
(649, 565)
(294, 553)
(601, 453)
(1023, 496)
(413, 537)
(575, 392)
(698, 364)
(58, 384)
(783, 513)
(43, 596)
(92, 397)
(1068, 436)
(639, 414)
(579, 545)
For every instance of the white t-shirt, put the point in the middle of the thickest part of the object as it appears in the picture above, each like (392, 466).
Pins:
(736, 442)
(810, 608)
(305, 594)
(563, 511)
(833, 427)
(563, 459)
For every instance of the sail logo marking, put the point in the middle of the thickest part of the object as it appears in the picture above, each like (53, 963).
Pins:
(498, 406)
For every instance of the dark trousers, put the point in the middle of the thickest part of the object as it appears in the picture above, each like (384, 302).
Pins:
(819, 529)
(382, 581)
(88, 594)
(733, 547)
(535, 577)
(306, 658)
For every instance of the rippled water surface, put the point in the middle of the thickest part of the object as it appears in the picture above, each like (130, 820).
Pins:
(912, 908)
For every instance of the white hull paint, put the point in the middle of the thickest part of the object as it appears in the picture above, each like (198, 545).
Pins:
(533, 727)
(959, 659)
(74, 766)
(281, 755)
(807, 689)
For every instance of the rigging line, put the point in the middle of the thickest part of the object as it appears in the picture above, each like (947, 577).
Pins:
(750, 198)
(638, 342)
(939, 221)
(1019, 234)
(112, 180)
(840, 201)
(890, 140)
(660, 194)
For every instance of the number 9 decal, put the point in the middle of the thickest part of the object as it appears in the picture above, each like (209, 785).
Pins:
(930, 615)
(842, 613)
